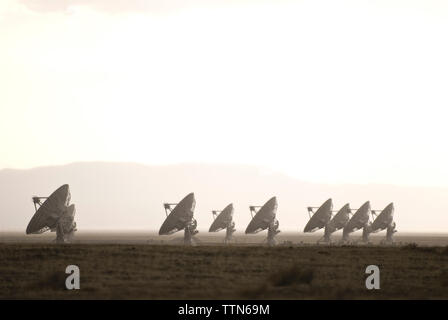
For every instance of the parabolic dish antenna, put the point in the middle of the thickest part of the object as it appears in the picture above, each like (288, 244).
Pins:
(358, 221)
(55, 214)
(385, 220)
(224, 220)
(321, 218)
(265, 219)
(338, 222)
(180, 218)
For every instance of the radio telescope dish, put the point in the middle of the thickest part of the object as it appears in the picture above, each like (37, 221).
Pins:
(180, 218)
(385, 220)
(321, 218)
(338, 222)
(224, 220)
(54, 214)
(358, 221)
(265, 219)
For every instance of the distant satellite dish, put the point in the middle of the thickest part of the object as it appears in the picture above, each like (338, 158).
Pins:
(180, 218)
(358, 221)
(224, 220)
(321, 218)
(385, 220)
(338, 222)
(265, 219)
(54, 214)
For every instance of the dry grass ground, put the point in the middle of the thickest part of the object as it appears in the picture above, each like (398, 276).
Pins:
(37, 271)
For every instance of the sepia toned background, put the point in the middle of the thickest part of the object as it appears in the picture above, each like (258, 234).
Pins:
(138, 102)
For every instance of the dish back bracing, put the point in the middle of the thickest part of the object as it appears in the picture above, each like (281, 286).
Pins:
(54, 214)
(321, 218)
(339, 221)
(358, 221)
(265, 218)
(224, 220)
(180, 218)
(385, 220)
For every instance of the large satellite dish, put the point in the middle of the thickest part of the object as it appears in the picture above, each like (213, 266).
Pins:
(338, 222)
(224, 220)
(265, 219)
(180, 218)
(321, 218)
(54, 214)
(358, 221)
(384, 220)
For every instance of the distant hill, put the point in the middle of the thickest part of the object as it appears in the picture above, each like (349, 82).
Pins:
(130, 196)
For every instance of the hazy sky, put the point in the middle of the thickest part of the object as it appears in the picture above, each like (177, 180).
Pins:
(326, 91)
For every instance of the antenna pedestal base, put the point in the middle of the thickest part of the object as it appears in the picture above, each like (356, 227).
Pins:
(272, 232)
(365, 234)
(189, 232)
(229, 232)
(390, 232)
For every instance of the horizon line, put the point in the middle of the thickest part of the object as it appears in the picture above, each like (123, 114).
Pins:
(260, 168)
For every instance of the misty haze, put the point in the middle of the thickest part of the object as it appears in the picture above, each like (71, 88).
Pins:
(126, 196)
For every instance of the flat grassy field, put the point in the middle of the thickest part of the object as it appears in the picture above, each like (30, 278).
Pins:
(123, 271)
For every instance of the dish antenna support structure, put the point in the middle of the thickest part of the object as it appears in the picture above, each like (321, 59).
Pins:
(264, 217)
(179, 216)
(54, 213)
(339, 221)
(358, 221)
(320, 218)
(223, 220)
(383, 220)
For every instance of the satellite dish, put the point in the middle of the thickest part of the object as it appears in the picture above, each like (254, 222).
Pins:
(385, 220)
(358, 221)
(224, 220)
(180, 218)
(265, 219)
(54, 214)
(338, 222)
(321, 218)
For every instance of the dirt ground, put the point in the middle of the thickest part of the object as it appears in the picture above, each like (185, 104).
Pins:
(288, 271)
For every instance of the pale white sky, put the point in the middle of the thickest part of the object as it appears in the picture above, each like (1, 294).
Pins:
(326, 91)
